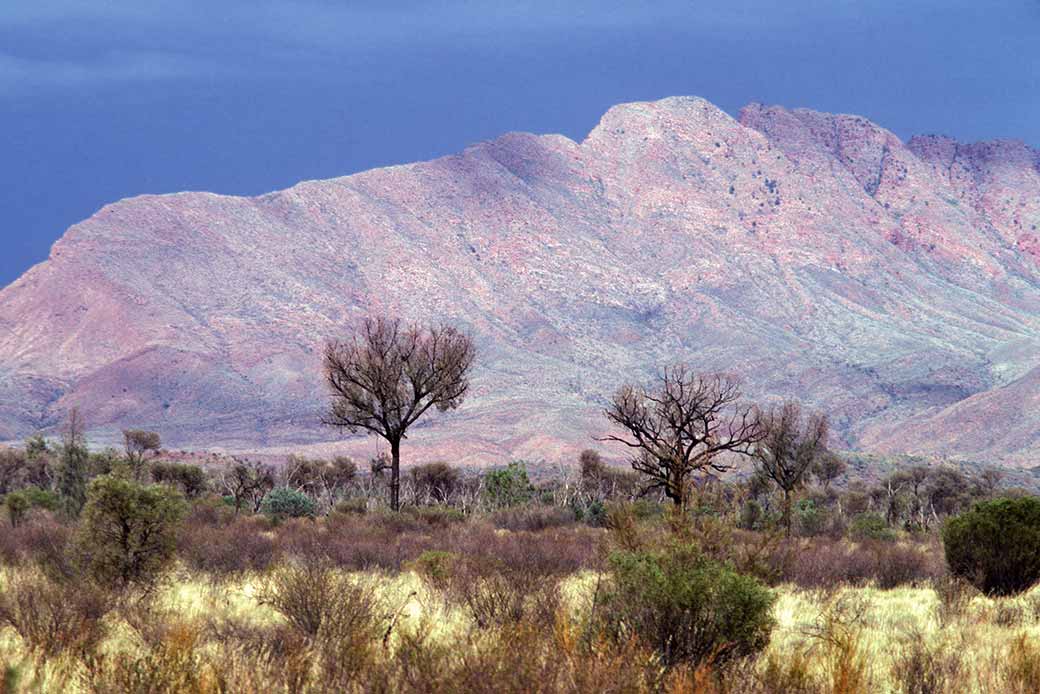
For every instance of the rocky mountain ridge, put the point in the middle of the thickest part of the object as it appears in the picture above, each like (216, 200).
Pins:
(893, 284)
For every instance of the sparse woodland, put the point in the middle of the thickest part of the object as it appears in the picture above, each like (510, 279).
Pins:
(735, 551)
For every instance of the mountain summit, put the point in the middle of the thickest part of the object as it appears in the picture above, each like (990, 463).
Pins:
(895, 285)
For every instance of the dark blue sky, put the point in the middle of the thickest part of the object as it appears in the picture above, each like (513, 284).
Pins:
(104, 99)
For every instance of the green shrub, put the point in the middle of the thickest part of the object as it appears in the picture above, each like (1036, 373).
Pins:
(508, 486)
(996, 545)
(129, 531)
(870, 526)
(690, 608)
(20, 502)
(283, 503)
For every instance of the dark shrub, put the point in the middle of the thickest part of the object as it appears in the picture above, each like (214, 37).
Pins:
(286, 503)
(190, 479)
(996, 545)
(434, 482)
(129, 531)
(691, 609)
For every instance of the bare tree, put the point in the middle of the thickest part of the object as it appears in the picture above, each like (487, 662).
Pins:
(389, 375)
(989, 481)
(138, 443)
(683, 425)
(248, 481)
(790, 445)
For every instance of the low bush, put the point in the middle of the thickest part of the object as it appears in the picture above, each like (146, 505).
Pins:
(495, 593)
(691, 609)
(316, 599)
(225, 551)
(996, 545)
(284, 503)
(435, 516)
(822, 562)
(870, 526)
(355, 506)
(436, 566)
(533, 518)
(43, 541)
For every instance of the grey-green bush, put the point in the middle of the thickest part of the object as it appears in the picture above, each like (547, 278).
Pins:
(286, 503)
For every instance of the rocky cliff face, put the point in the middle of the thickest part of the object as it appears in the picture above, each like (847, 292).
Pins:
(894, 284)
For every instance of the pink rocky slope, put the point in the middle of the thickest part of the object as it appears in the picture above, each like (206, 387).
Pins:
(895, 285)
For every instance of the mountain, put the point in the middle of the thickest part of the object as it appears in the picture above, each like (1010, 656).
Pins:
(895, 285)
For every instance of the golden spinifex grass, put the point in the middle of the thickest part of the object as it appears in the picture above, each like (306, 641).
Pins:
(198, 636)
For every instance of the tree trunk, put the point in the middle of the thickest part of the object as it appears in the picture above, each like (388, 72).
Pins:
(395, 474)
(787, 513)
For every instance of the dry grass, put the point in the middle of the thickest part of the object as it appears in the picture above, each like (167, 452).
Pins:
(405, 635)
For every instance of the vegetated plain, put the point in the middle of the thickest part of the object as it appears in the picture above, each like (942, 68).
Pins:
(245, 577)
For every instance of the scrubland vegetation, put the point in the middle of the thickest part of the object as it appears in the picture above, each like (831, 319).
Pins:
(124, 571)
(246, 577)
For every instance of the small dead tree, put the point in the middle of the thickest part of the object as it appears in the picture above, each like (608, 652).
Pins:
(681, 426)
(389, 375)
(790, 444)
(138, 443)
